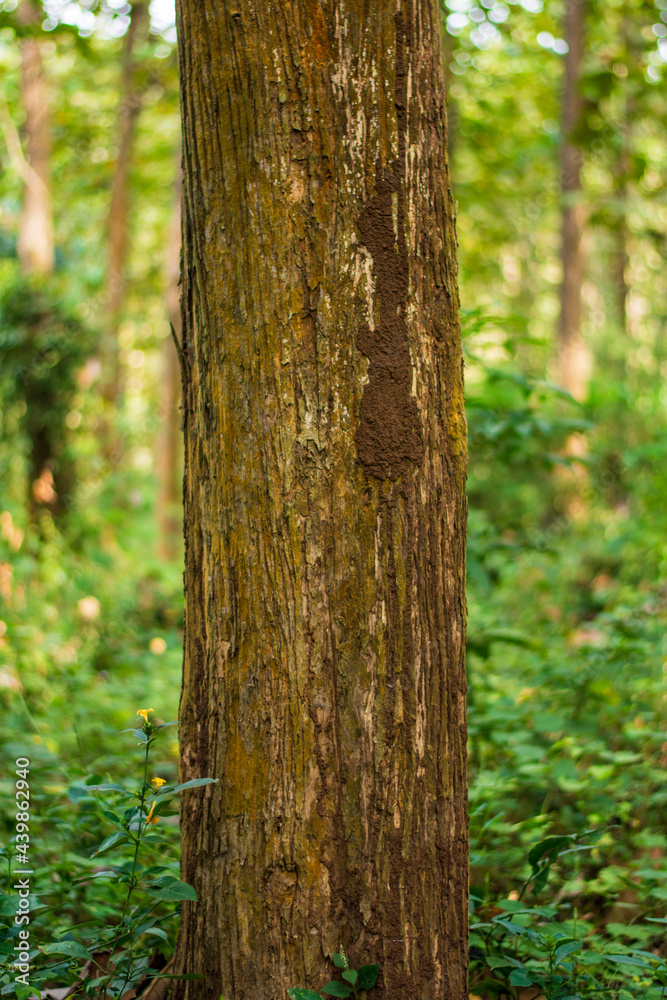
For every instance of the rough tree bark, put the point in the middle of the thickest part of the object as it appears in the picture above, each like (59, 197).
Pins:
(573, 356)
(325, 458)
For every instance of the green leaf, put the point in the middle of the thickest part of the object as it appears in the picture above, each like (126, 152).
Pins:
(510, 926)
(519, 977)
(502, 962)
(629, 960)
(77, 792)
(566, 949)
(8, 904)
(172, 891)
(71, 948)
(549, 846)
(299, 993)
(111, 841)
(541, 880)
(109, 787)
(350, 975)
(193, 783)
(339, 961)
(511, 905)
(156, 932)
(368, 977)
(335, 989)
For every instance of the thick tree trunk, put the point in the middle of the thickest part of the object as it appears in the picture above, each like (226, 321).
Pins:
(35, 242)
(325, 458)
(118, 222)
(573, 355)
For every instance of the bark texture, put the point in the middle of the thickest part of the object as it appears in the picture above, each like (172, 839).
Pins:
(573, 356)
(325, 458)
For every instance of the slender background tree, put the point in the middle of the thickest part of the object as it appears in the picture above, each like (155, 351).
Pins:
(133, 85)
(573, 353)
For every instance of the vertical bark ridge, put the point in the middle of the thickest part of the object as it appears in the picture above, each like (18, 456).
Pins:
(324, 492)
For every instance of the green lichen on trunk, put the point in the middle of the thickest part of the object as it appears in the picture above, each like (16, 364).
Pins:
(324, 501)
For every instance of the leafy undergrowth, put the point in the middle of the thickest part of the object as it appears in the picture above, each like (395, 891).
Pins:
(567, 609)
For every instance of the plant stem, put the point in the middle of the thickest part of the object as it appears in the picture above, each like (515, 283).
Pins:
(131, 886)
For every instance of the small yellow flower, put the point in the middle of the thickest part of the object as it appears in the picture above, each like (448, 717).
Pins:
(158, 783)
(149, 818)
(143, 712)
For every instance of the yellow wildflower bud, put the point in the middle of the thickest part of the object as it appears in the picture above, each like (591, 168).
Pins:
(150, 814)
(143, 712)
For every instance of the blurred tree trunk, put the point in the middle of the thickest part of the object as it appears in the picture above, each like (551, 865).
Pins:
(49, 480)
(325, 458)
(130, 106)
(621, 259)
(169, 438)
(35, 242)
(621, 178)
(573, 355)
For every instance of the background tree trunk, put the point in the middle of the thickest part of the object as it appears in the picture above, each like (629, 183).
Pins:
(622, 173)
(118, 224)
(35, 242)
(325, 457)
(169, 437)
(573, 355)
(36, 254)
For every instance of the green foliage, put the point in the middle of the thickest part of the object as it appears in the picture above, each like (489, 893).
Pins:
(124, 884)
(517, 943)
(43, 344)
(352, 982)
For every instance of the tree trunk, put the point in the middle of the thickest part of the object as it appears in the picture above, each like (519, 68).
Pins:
(325, 458)
(573, 355)
(130, 106)
(620, 260)
(169, 438)
(37, 258)
(35, 242)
